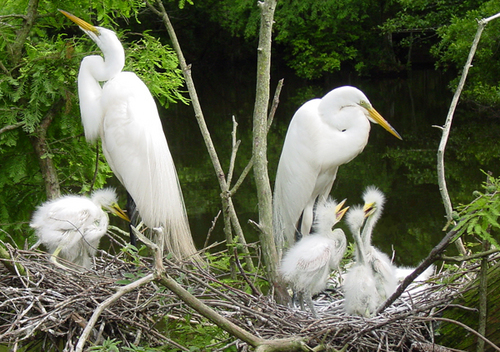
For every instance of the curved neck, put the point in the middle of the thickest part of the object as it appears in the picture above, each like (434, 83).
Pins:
(366, 235)
(360, 253)
(112, 65)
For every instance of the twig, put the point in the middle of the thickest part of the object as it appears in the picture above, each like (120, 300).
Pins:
(459, 324)
(101, 307)
(211, 229)
(235, 144)
(255, 291)
(270, 118)
(470, 257)
(431, 258)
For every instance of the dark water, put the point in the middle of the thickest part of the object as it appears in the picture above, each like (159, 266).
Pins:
(404, 170)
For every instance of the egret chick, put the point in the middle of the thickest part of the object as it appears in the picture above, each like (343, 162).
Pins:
(385, 272)
(72, 226)
(323, 135)
(361, 296)
(307, 265)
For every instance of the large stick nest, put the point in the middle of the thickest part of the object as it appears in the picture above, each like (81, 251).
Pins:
(52, 305)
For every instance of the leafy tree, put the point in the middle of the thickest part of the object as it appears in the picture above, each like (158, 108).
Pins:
(42, 147)
(316, 37)
(448, 27)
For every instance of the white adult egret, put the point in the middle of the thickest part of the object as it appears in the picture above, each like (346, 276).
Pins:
(123, 114)
(361, 296)
(385, 270)
(307, 265)
(323, 134)
(72, 226)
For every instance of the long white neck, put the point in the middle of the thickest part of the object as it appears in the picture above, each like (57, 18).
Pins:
(95, 69)
(366, 234)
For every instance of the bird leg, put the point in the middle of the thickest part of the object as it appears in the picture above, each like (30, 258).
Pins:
(53, 259)
(310, 303)
(297, 298)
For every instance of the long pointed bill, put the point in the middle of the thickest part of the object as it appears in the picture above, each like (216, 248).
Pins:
(339, 211)
(115, 209)
(369, 209)
(83, 25)
(382, 122)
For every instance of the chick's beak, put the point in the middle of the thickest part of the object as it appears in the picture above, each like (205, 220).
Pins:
(83, 25)
(382, 122)
(115, 209)
(369, 209)
(339, 211)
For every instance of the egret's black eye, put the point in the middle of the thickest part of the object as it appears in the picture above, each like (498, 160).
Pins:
(344, 130)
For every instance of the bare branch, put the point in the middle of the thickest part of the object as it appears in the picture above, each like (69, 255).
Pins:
(12, 127)
(447, 126)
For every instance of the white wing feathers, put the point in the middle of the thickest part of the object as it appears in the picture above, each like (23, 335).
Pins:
(135, 145)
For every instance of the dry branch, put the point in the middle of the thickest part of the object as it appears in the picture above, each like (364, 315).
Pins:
(447, 126)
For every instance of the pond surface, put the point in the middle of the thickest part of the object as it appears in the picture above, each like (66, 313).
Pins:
(405, 170)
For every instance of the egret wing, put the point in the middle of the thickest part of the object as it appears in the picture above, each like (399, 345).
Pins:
(137, 151)
(297, 173)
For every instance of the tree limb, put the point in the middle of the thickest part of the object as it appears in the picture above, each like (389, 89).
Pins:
(431, 258)
(447, 126)
(12, 127)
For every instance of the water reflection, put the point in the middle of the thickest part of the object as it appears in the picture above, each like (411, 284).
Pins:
(404, 170)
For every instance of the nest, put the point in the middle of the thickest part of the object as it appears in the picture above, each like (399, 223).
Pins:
(50, 306)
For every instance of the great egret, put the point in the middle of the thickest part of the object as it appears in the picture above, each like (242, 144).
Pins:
(307, 264)
(385, 271)
(361, 296)
(72, 226)
(123, 114)
(323, 134)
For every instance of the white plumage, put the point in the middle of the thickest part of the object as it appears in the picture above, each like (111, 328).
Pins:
(361, 296)
(308, 264)
(373, 277)
(385, 271)
(123, 114)
(72, 226)
(323, 134)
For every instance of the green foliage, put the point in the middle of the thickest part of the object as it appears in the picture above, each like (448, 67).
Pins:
(483, 86)
(455, 23)
(157, 65)
(480, 217)
(316, 37)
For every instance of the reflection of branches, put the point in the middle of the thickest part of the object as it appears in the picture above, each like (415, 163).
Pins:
(447, 126)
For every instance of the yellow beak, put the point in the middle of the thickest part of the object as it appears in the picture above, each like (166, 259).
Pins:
(84, 25)
(339, 211)
(115, 209)
(369, 209)
(382, 122)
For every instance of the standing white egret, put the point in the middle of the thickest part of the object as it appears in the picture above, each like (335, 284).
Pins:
(361, 296)
(307, 265)
(72, 226)
(385, 271)
(323, 134)
(123, 114)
